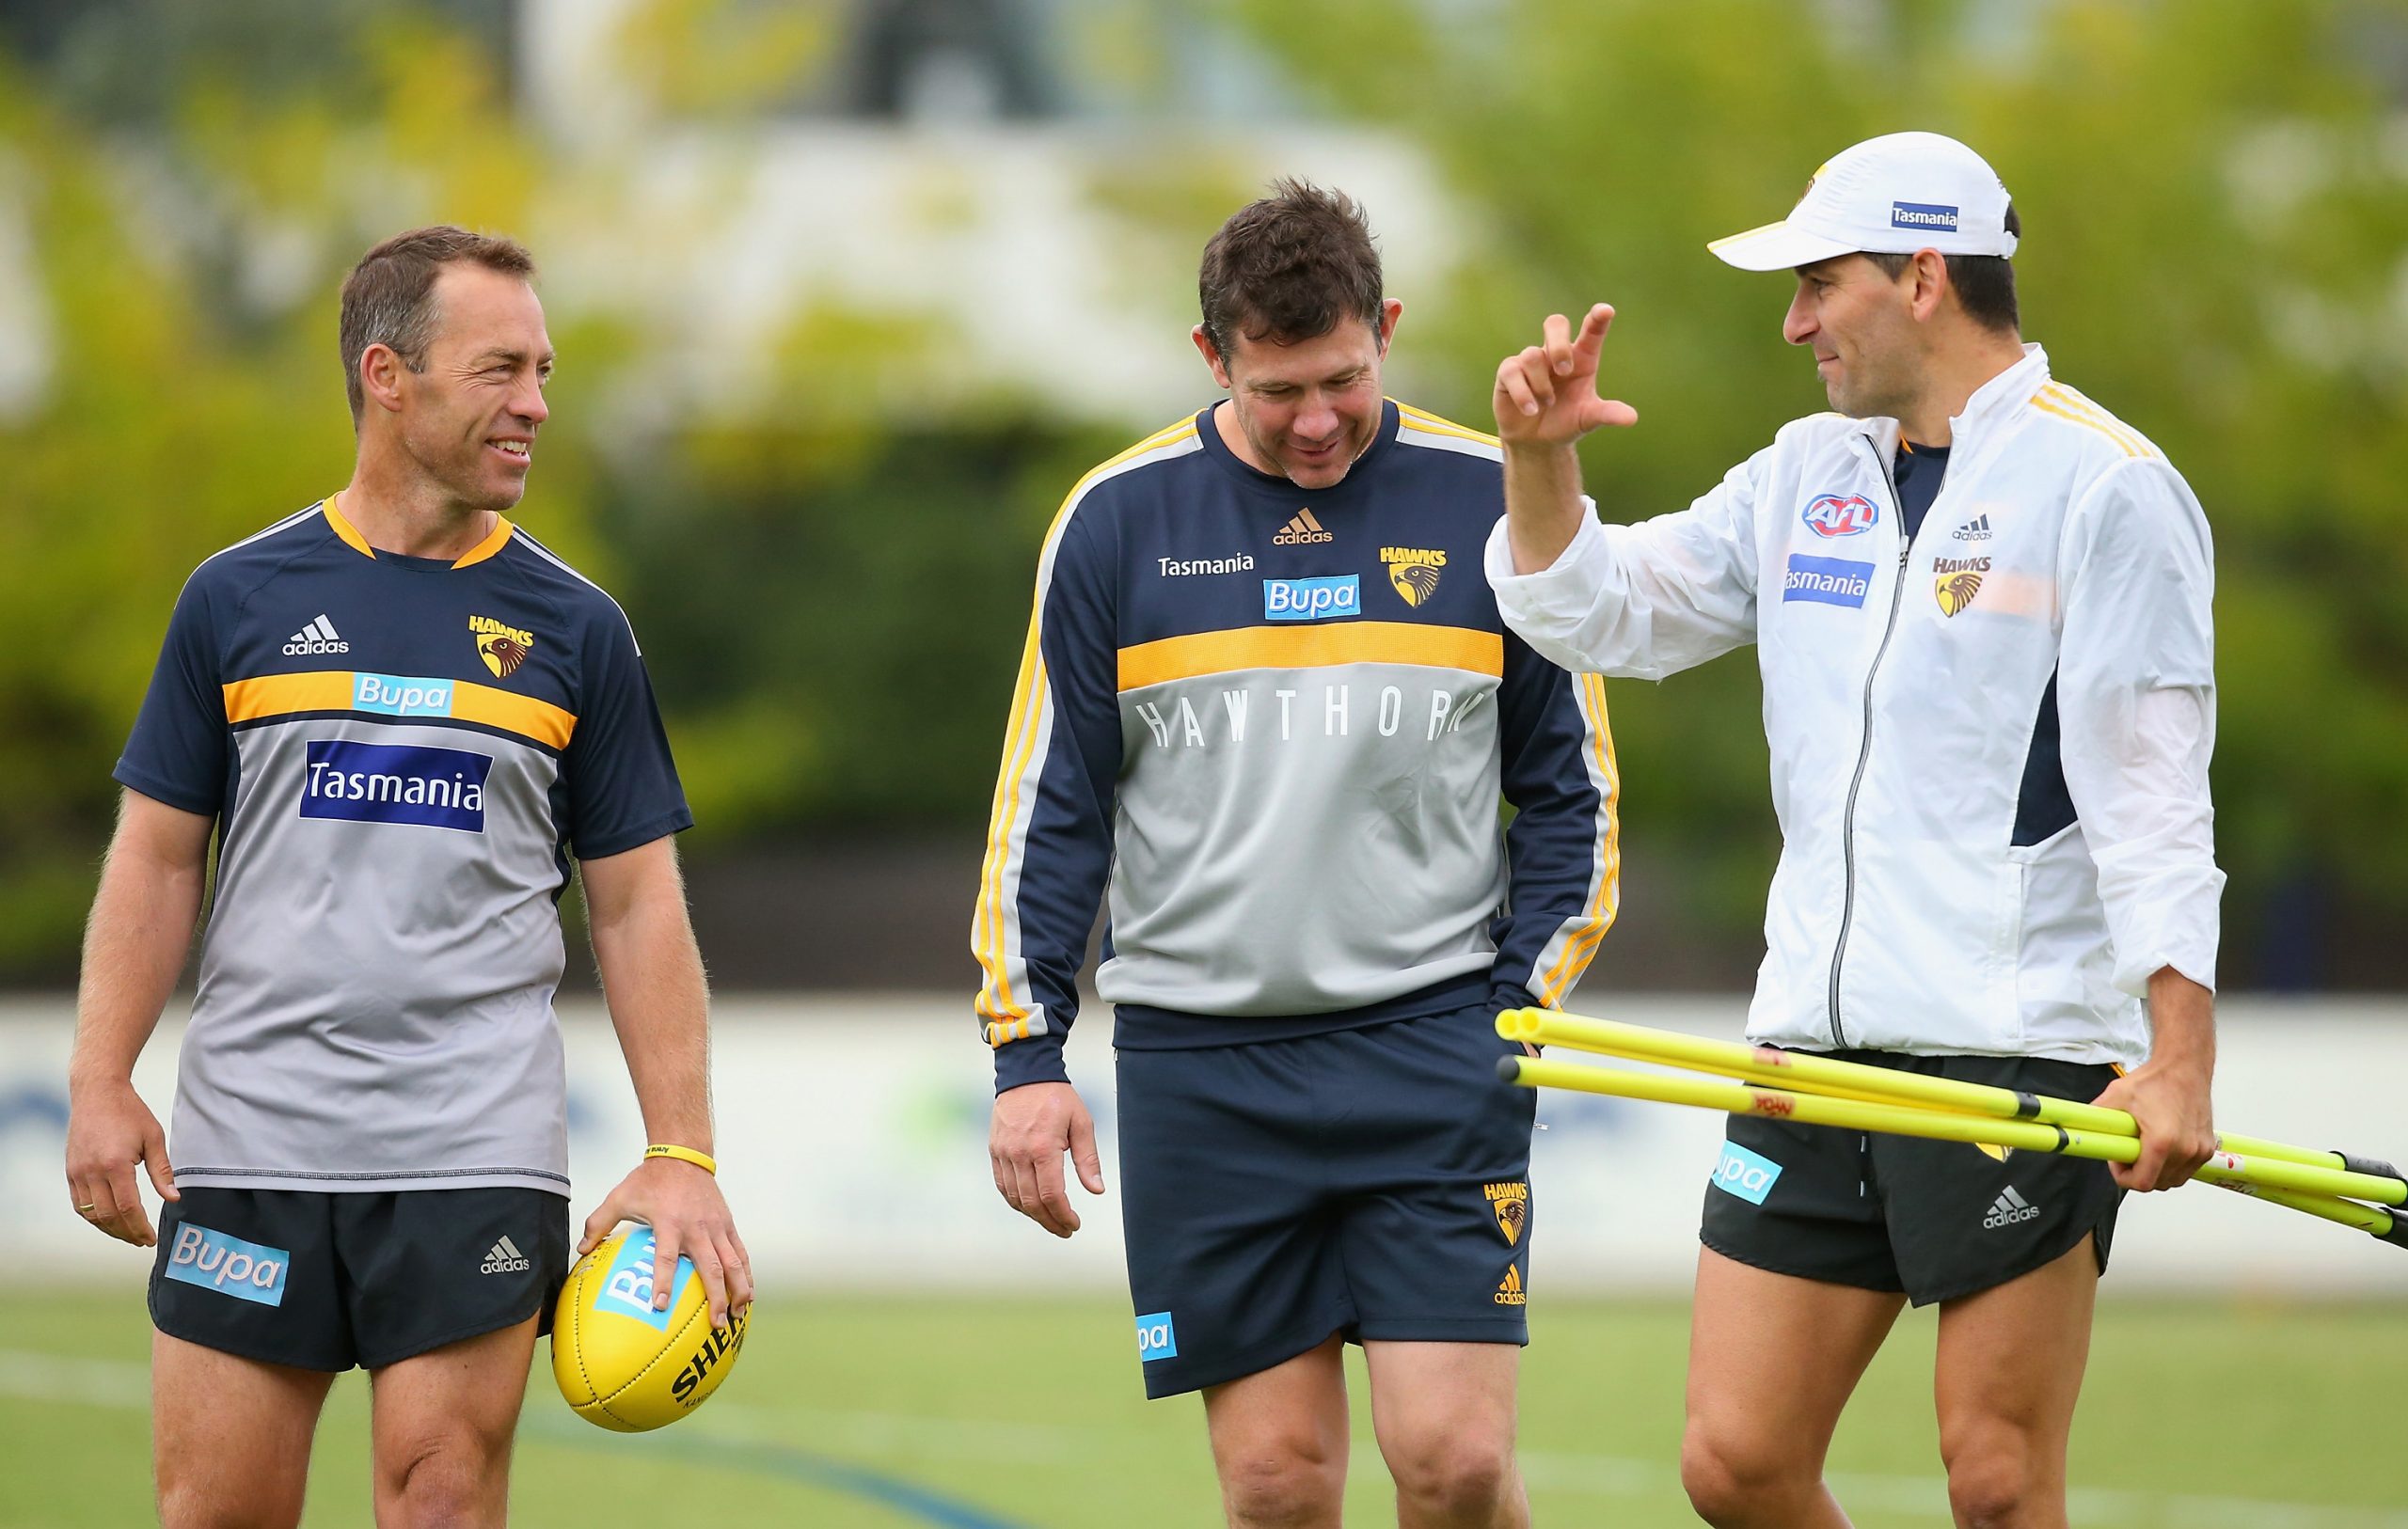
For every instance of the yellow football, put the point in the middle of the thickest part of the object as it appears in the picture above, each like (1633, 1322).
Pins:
(624, 1365)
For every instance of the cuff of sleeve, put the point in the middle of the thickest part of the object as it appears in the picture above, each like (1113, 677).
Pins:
(1036, 1060)
(1558, 575)
(134, 778)
(1510, 995)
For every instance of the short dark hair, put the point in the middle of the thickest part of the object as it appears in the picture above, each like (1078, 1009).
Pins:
(388, 299)
(1984, 283)
(1289, 267)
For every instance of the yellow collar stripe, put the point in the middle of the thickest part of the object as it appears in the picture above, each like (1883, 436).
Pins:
(495, 540)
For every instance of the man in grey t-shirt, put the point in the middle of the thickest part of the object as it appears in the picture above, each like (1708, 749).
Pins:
(401, 718)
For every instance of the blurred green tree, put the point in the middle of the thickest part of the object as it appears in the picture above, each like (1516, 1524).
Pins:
(2215, 207)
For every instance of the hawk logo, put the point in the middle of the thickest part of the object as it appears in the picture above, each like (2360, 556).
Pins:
(1957, 581)
(1414, 571)
(1509, 1291)
(502, 648)
(1512, 1204)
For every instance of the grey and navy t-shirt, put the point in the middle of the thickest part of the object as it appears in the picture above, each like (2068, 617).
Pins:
(1270, 728)
(403, 754)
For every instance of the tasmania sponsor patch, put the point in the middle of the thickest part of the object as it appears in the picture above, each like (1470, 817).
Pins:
(1831, 581)
(407, 783)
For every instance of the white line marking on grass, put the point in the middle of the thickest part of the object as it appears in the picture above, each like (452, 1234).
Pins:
(63, 1377)
(125, 1383)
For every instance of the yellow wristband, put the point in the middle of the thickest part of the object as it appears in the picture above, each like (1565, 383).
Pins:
(684, 1154)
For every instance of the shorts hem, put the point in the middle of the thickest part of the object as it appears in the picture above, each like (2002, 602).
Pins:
(1515, 1331)
(474, 1329)
(1818, 1276)
(1162, 1385)
(257, 1353)
(2019, 1268)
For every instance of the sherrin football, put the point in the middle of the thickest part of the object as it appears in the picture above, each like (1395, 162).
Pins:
(623, 1366)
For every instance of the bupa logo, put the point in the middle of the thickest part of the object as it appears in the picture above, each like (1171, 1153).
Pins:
(1930, 216)
(401, 695)
(1156, 1338)
(626, 1288)
(1748, 1174)
(228, 1265)
(1311, 599)
(1842, 514)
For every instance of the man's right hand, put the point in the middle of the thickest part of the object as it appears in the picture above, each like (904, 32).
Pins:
(1546, 396)
(109, 1130)
(1033, 1125)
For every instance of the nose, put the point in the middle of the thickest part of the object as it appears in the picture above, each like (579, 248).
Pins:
(1317, 421)
(529, 404)
(1797, 325)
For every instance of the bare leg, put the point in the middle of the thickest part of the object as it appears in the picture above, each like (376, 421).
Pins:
(230, 1436)
(1279, 1443)
(1444, 1414)
(2009, 1372)
(443, 1423)
(1772, 1359)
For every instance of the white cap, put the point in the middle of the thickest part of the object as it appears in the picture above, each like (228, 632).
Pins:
(1888, 196)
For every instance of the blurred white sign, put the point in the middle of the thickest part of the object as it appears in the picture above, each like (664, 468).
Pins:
(852, 1145)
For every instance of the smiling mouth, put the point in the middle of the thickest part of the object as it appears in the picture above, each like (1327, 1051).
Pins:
(515, 450)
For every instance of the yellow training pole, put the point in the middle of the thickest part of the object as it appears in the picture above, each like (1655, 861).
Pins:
(1907, 1120)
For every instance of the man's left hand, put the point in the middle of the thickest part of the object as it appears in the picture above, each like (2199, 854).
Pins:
(687, 1215)
(2169, 1100)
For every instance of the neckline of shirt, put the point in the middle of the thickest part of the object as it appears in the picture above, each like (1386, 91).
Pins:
(350, 534)
(1280, 486)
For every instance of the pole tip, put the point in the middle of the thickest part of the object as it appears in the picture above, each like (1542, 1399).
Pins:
(1509, 1069)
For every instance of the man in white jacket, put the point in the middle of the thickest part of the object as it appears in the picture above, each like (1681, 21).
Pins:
(1981, 607)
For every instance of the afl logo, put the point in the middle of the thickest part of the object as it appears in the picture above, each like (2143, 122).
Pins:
(1842, 514)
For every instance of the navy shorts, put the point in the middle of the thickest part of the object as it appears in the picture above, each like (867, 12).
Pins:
(326, 1282)
(1933, 1220)
(1371, 1182)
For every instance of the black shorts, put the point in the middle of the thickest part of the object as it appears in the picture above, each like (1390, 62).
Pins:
(326, 1282)
(1934, 1219)
(1371, 1182)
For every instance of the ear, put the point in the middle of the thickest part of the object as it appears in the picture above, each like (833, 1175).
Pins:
(1391, 309)
(1927, 284)
(381, 370)
(1205, 348)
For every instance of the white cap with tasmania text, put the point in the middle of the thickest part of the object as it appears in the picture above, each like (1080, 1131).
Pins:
(1888, 196)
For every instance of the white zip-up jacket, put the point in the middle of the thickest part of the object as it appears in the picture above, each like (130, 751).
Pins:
(1989, 746)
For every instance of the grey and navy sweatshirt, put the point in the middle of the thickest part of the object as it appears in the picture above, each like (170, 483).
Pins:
(1275, 724)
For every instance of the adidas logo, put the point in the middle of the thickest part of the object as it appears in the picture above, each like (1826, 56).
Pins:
(1301, 532)
(504, 1258)
(318, 636)
(2009, 1208)
(1509, 1292)
(1979, 531)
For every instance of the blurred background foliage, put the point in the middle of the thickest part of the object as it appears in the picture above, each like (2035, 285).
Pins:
(822, 511)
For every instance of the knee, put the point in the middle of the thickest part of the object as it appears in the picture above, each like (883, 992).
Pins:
(445, 1482)
(1992, 1488)
(1732, 1482)
(1277, 1485)
(1455, 1475)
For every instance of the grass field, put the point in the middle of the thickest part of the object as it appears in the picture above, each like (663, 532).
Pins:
(891, 1413)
